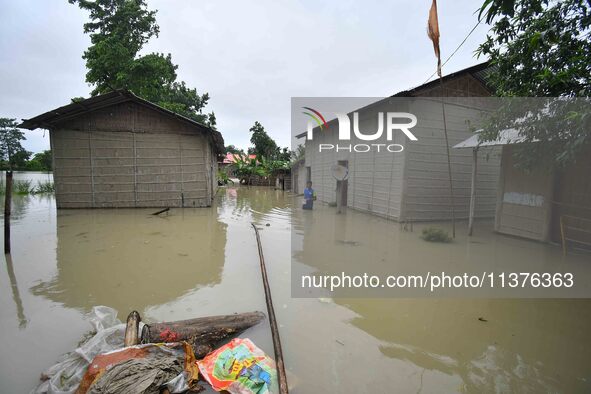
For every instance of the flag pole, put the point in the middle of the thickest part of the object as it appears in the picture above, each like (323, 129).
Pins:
(451, 183)
(433, 33)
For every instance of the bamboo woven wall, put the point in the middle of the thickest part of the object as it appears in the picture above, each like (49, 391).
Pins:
(131, 156)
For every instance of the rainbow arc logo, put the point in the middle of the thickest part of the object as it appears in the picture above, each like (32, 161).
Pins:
(388, 123)
(317, 116)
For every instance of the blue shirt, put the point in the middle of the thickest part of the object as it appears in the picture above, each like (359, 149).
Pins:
(308, 193)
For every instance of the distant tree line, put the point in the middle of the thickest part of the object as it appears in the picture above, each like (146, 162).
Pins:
(270, 159)
(263, 145)
(12, 154)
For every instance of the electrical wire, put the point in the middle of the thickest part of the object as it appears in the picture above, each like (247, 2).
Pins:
(455, 51)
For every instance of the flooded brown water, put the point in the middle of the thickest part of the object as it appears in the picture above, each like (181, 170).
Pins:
(196, 262)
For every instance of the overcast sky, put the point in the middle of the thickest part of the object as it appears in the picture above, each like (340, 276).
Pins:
(250, 56)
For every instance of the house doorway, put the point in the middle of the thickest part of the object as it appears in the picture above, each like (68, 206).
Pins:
(342, 186)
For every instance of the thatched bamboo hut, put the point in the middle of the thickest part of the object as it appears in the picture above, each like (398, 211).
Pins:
(119, 150)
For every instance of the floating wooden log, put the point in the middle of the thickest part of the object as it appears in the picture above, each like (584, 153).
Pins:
(203, 333)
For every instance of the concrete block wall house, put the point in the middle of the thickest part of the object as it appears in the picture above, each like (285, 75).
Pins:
(119, 150)
(413, 185)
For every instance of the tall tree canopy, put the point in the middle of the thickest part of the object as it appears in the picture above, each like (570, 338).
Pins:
(263, 144)
(118, 31)
(539, 47)
(233, 149)
(542, 48)
(41, 161)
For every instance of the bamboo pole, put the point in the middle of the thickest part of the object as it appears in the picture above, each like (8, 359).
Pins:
(281, 377)
(473, 191)
(562, 235)
(451, 183)
(7, 209)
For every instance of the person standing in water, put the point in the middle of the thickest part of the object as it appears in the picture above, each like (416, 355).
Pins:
(309, 196)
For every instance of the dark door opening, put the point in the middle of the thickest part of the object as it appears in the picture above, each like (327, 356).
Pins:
(342, 187)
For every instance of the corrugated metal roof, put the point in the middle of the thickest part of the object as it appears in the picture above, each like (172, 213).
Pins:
(232, 158)
(483, 75)
(479, 71)
(506, 137)
(48, 119)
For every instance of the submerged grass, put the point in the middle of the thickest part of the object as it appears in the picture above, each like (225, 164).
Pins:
(434, 234)
(24, 187)
(45, 187)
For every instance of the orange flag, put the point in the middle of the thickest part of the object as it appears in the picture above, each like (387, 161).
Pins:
(433, 33)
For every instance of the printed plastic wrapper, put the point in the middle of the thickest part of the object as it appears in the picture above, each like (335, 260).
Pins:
(240, 367)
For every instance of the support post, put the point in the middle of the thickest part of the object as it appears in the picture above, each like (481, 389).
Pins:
(562, 236)
(7, 209)
(339, 199)
(449, 171)
(473, 191)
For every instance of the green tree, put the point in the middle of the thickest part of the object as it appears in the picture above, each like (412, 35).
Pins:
(264, 145)
(541, 48)
(299, 153)
(41, 161)
(245, 168)
(12, 153)
(283, 154)
(233, 149)
(20, 159)
(118, 30)
(46, 159)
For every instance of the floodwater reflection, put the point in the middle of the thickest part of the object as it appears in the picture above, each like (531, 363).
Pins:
(129, 259)
(445, 345)
(16, 296)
